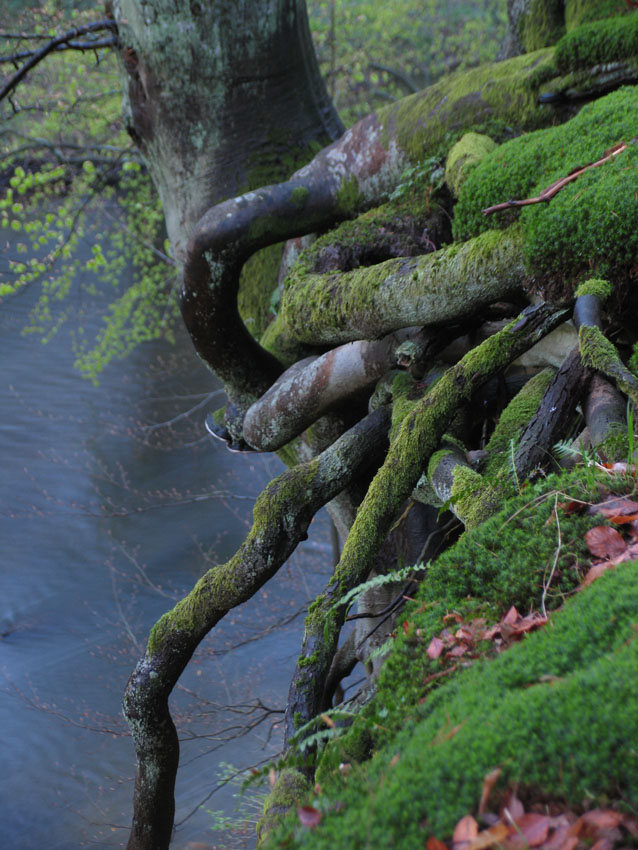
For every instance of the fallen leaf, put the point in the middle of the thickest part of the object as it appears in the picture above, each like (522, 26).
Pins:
(530, 830)
(595, 572)
(512, 808)
(488, 837)
(435, 648)
(328, 720)
(465, 830)
(434, 844)
(458, 650)
(512, 617)
(489, 781)
(615, 507)
(406, 626)
(604, 542)
(527, 624)
(603, 844)
(573, 507)
(309, 816)
(601, 819)
(623, 519)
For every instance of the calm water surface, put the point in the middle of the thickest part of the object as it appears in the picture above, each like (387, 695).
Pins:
(112, 503)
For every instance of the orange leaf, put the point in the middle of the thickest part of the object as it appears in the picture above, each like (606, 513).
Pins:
(434, 844)
(488, 837)
(489, 781)
(604, 542)
(309, 816)
(465, 830)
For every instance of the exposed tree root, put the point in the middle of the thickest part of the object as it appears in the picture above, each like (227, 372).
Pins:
(281, 517)
(409, 452)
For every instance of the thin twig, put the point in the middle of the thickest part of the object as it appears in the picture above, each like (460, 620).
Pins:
(49, 48)
(547, 194)
(559, 544)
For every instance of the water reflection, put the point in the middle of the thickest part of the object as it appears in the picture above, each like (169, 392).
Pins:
(107, 516)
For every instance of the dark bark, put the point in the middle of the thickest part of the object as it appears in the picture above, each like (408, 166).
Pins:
(554, 415)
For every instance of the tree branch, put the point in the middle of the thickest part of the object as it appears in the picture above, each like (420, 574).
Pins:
(51, 46)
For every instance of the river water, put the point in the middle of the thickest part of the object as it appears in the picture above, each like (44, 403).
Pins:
(112, 503)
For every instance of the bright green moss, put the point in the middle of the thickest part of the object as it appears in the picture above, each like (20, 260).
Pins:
(299, 195)
(579, 12)
(513, 421)
(464, 156)
(473, 497)
(257, 281)
(493, 99)
(540, 24)
(556, 712)
(349, 198)
(598, 43)
(586, 226)
(595, 286)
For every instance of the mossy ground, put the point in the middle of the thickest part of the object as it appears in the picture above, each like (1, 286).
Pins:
(557, 712)
(587, 226)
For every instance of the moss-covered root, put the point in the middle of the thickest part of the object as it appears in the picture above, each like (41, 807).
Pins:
(289, 790)
(415, 442)
(366, 303)
(281, 517)
(599, 353)
(464, 156)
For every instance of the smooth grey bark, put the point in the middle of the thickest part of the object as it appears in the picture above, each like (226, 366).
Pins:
(220, 97)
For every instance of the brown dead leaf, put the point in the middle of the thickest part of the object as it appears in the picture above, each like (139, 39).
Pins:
(457, 651)
(623, 519)
(512, 808)
(599, 819)
(604, 542)
(309, 816)
(489, 781)
(489, 837)
(615, 507)
(595, 572)
(465, 830)
(435, 648)
(434, 844)
(530, 830)
(512, 617)
(573, 507)
(528, 623)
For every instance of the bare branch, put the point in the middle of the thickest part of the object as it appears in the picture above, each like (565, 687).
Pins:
(49, 48)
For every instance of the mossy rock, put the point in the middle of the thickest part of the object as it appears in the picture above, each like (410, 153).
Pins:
(557, 712)
(588, 226)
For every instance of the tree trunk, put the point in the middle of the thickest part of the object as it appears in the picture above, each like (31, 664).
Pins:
(220, 97)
